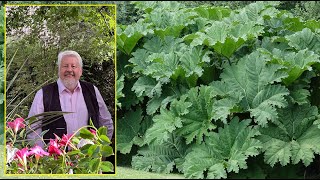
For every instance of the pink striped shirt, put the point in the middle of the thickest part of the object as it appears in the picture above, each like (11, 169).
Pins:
(72, 102)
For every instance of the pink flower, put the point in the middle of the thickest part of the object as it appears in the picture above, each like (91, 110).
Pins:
(22, 156)
(93, 131)
(66, 140)
(38, 152)
(54, 147)
(16, 124)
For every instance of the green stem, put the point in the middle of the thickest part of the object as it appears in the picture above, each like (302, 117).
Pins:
(36, 166)
(14, 138)
(64, 163)
(98, 169)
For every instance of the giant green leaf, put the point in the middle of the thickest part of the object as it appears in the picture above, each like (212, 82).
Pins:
(264, 102)
(146, 86)
(293, 138)
(305, 39)
(191, 61)
(198, 121)
(312, 24)
(226, 38)
(229, 46)
(255, 79)
(213, 34)
(212, 13)
(159, 59)
(169, 31)
(300, 62)
(161, 158)
(165, 59)
(300, 96)
(169, 93)
(163, 127)
(253, 12)
(223, 152)
(224, 107)
(190, 117)
(293, 23)
(128, 38)
(229, 35)
(128, 130)
(296, 62)
(166, 45)
(167, 122)
(245, 31)
(163, 66)
(170, 17)
(167, 19)
(139, 60)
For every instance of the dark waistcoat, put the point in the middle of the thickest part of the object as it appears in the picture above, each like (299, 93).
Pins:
(51, 102)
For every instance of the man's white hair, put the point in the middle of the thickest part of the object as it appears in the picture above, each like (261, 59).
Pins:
(69, 53)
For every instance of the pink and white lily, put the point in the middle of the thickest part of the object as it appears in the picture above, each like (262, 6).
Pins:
(38, 152)
(16, 124)
(22, 156)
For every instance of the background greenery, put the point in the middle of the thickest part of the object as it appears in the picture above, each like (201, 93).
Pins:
(155, 68)
(95, 58)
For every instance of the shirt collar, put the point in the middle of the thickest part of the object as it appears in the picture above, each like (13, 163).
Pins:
(62, 87)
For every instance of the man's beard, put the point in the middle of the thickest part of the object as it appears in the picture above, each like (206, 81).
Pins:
(70, 83)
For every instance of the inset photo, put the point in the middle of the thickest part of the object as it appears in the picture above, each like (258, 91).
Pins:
(60, 89)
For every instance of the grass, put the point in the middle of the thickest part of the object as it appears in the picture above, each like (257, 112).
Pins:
(129, 173)
(121, 173)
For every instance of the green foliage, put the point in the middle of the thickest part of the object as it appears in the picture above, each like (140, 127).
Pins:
(199, 72)
(228, 4)
(223, 152)
(307, 10)
(128, 131)
(119, 86)
(293, 136)
(295, 63)
(254, 78)
(161, 158)
(126, 13)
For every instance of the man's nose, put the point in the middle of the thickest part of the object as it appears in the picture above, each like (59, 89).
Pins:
(69, 68)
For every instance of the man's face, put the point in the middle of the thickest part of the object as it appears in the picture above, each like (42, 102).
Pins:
(70, 71)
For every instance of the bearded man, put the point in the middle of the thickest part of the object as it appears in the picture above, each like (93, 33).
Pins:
(69, 94)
